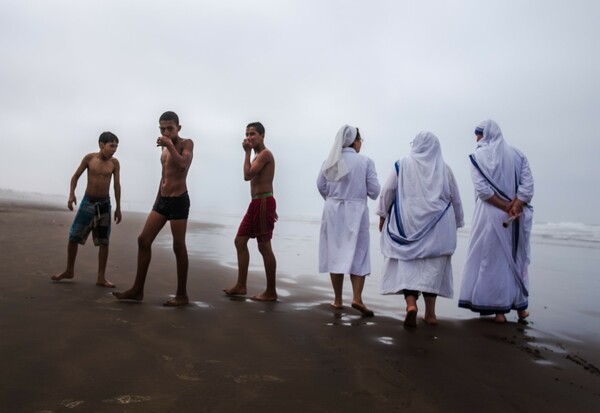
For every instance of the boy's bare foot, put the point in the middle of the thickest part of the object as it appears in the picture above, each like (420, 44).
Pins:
(363, 309)
(522, 314)
(500, 319)
(105, 283)
(431, 320)
(337, 306)
(66, 275)
(129, 295)
(177, 301)
(235, 290)
(264, 297)
(411, 317)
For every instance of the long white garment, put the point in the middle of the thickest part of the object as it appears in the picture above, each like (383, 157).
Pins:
(422, 209)
(495, 278)
(344, 237)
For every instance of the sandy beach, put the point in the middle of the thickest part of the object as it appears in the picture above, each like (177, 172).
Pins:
(71, 347)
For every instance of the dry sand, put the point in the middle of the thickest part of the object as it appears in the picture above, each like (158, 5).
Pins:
(71, 347)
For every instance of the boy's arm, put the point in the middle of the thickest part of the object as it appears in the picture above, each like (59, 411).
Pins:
(82, 167)
(117, 188)
(184, 159)
(252, 169)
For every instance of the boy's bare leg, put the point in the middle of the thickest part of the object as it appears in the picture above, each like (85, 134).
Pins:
(154, 224)
(358, 283)
(411, 311)
(102, 259)
(270, 293)
(337, 282)
(178, 230)
(69, 273)
(243, 260)
(430, 317)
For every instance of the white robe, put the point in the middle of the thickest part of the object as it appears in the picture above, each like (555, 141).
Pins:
(344, 237)
(425, 187)
(495, 278)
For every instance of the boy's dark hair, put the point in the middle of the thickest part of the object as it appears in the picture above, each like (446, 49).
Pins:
(106, 137)
(169, 115)
(258, 126)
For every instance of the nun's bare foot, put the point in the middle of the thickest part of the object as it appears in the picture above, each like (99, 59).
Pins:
(500, 319)
(431, 320)
(411, 316)
(363, 309)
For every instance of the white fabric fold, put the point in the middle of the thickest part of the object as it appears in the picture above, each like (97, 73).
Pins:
(334, 168)
(426, 205)
(423, 187)
(496, 159)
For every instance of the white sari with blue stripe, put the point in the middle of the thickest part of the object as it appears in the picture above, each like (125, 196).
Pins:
(422, 210)
(495, 277)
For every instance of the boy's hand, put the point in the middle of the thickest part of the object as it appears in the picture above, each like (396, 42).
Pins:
(117, 215)
(72, 200)
(246, 145)
(163, 141)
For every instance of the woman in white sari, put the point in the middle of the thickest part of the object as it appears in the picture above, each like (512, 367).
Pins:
(420, 210)
(495, 277)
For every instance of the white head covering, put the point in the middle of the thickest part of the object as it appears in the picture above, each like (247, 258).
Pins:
(423, 186)
(496, 158)
(334, 168)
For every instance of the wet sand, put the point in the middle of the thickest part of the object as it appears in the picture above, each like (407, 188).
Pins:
(70, 346)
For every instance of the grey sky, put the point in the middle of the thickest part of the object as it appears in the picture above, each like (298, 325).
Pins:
(72, 69)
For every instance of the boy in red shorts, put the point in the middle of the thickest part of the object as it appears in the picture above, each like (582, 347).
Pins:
(260, 218)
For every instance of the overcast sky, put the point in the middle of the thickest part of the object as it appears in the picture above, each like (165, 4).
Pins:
(71, 69)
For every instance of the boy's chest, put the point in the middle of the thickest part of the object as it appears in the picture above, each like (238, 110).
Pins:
(100, 167)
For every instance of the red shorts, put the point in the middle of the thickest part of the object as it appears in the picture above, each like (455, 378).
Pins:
(259, 220)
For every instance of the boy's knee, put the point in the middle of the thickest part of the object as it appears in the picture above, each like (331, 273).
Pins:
(144, 242)
(240, 243)
(264, 247)
(179, 247)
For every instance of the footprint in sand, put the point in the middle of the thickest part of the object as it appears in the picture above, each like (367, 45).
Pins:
(71, 404)
(127, 398)
(256, 378)
(187, 377)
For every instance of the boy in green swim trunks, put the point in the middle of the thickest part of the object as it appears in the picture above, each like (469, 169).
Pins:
(94, 212)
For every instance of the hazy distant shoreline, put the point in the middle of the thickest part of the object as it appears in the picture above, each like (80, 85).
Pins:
(562, 233)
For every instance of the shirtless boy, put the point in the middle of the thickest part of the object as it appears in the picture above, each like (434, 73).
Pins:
(172, 204)
(93, 214)
(260, 218)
